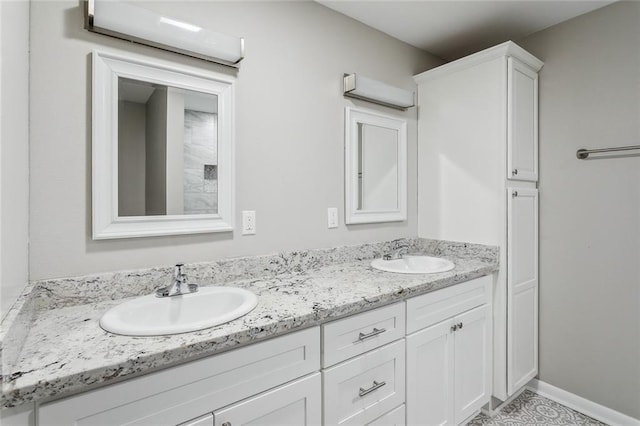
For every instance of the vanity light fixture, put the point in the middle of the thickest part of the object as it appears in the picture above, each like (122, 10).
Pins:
(359, 87)
(130, 22)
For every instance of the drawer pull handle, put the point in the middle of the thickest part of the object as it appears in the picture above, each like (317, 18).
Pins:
(376, 385)
(375, 332)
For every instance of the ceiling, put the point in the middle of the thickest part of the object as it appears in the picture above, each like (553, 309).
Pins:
(452, 29)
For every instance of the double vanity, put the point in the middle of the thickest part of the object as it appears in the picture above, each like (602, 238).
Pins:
(332, 340)
(182, 307)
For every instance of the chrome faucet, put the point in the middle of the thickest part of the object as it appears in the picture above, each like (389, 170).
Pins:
(397, 253)
(179, 286)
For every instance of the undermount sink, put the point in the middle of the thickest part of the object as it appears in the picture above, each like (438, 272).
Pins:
(413, 264)
(156, 316)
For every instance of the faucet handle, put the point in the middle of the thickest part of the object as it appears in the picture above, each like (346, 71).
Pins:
(178, 270)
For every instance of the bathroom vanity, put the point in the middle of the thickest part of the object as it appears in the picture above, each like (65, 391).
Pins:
(356, 376)
(329, 343)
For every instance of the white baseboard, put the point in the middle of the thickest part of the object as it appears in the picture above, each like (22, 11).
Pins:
(578, 403)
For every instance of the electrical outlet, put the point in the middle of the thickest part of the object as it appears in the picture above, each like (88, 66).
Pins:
(248, 222)
(332, 217)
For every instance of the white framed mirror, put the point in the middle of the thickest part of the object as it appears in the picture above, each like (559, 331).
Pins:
(163, 144)
(375, 167)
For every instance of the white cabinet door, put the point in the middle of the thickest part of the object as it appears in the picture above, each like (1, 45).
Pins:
(522, 287)
(472, 341)
(430, 376)
(522, 122)
(449, 369)
(294, 404)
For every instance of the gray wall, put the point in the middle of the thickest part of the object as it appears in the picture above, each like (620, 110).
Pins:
(156, 152)
(131, 158)
(589, 210)
(289, 132)
(14, 151)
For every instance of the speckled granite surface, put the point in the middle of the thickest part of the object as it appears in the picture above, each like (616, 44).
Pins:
(65, 351)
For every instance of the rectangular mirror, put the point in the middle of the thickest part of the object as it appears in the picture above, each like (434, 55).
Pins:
(162, 145)
(375, 167)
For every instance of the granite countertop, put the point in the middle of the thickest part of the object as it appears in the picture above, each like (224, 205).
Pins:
(65, 351)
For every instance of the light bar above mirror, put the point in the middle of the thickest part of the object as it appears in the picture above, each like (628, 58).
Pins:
(368, 89)
(130, 22)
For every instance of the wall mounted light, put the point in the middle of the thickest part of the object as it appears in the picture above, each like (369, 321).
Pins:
(359, 87)
(133, 23)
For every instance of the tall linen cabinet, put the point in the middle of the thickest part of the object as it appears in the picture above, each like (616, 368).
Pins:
(477, 182)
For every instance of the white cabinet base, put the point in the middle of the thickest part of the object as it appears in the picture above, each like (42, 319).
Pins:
(449, 363)
(187, 391)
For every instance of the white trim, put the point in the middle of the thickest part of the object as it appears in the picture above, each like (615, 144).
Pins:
(107, 68)
(353, 117)
(578, 403)
(508, 48)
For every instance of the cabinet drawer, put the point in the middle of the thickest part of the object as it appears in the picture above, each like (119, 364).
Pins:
(362, 389)
(171, 396)
(394, 417)
(360, 333)
(431, 308)
(294, 404)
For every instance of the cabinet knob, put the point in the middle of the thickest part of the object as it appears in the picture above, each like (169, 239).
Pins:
(460, 325)
(514, 172)
(454, 327)
(226, 424)
(514, 194)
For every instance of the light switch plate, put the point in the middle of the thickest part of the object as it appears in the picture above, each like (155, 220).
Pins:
(248, 222)
(332, 217)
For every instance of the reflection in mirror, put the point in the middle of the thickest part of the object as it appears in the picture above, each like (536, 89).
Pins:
(167, 150)
(375, 167)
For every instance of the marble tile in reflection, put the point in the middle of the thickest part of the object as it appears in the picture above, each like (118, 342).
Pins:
(196, 156)
(193, 181)
(200, 203)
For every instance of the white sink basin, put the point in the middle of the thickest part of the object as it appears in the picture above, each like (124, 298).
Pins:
(414, 265)
(155, 316)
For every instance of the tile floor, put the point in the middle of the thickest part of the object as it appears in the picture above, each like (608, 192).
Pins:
(531, 409)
